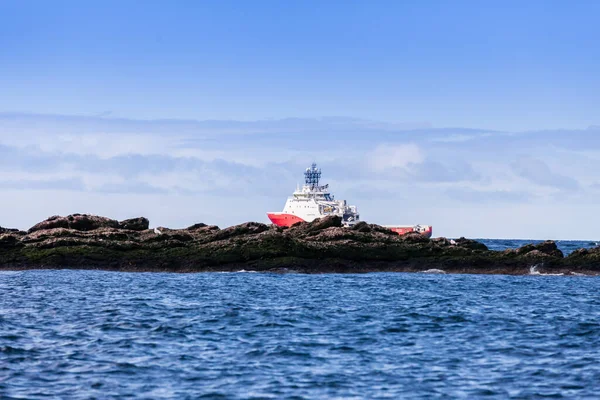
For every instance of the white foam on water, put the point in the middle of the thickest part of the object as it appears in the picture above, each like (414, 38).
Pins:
(433, 271)
(578, 274)
(533, 271)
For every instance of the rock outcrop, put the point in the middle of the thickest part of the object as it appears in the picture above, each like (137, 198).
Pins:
(135, 224)
(91, 242)
(11, 230)
(77, 222)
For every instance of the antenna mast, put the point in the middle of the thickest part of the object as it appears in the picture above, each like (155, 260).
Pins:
(312, 176)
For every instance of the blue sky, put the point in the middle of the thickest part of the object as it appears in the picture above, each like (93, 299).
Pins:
(508, 65)
(477, 117)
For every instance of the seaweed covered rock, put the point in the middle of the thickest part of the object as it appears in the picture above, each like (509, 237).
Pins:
(324, 245)
(584, 257)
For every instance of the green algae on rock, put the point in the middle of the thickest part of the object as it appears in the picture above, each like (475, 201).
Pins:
(81, 241)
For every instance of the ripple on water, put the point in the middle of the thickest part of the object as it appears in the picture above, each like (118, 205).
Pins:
(86, 334)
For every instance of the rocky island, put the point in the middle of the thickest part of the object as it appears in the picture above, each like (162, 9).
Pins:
(81, 241)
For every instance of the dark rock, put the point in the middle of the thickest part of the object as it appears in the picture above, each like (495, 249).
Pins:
(510, 252)
(12, 231)
(78, 222)
(441, 241)
(548, 248)
(318, 224)
(135, 224)
(8, 241)
(196, 226)
(324, 245)
(248, 228)
(43, 234)
(414, 237)
(56, 221)
(471, 244)
(361, 226)
(580, 253)
(536, 254)
(170, 234)
(364, 227)
(525, 249)
(334, 233)
(585, 255)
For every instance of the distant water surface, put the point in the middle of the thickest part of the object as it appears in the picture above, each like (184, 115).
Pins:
(567, 246)
(93, 334)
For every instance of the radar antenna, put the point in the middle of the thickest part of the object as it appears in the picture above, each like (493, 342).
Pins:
(312, 176)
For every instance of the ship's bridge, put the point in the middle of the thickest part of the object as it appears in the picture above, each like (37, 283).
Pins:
(319, 193)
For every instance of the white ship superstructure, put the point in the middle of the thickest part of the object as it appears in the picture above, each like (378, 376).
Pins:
(313, 201)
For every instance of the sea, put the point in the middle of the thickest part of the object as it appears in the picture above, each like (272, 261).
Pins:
(75, 334)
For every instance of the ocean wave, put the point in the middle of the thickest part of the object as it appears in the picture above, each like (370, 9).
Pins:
(433, 271)
(533, 270)
(89, 334)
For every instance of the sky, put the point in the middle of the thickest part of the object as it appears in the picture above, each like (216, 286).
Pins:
(479, 118)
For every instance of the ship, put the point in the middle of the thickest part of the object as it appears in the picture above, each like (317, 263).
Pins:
(314, 200)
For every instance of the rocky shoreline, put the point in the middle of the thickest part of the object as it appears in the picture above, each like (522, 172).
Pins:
(81, 241)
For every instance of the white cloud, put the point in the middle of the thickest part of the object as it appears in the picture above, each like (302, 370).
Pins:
(538, 172)
(225, 172)
(459, 137)
(390, 156)
(97, 144)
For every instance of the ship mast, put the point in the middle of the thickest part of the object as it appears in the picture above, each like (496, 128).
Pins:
(312, 176)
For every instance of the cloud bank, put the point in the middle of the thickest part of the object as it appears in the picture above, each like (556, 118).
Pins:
(471, 182)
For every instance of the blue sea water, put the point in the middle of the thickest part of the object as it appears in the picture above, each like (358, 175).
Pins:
(92, 334)
(567, 246)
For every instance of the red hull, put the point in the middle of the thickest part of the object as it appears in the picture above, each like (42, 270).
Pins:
(401, 230)
(282, 219)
